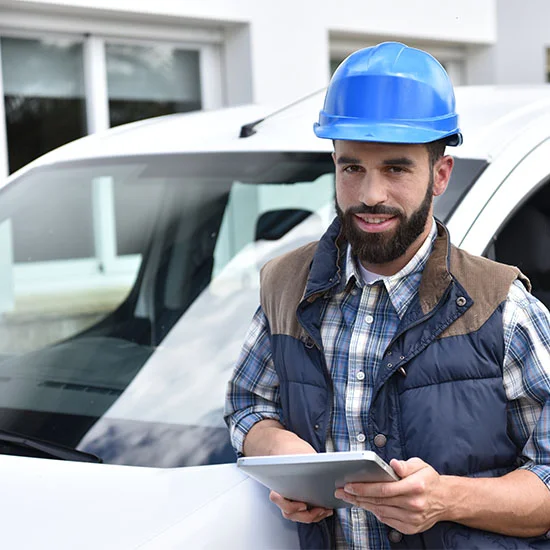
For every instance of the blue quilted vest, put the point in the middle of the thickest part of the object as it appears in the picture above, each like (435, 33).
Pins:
(450, 409)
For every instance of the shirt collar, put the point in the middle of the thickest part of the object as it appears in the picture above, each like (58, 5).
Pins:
(401, 286)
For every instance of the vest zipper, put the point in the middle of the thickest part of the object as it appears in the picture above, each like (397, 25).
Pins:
(421, 320)
(330, 386)
(330, 404)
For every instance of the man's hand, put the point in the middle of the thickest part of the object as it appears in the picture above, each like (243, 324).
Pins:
(298, 511)
(411, 505)
(268, 437)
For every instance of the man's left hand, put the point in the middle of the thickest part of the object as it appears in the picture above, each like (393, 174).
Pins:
(411, 505)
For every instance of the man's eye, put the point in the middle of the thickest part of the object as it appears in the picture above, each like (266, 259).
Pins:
(395, 169)
(352, 169)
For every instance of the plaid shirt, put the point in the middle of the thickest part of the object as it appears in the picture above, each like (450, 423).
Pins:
(357, 324)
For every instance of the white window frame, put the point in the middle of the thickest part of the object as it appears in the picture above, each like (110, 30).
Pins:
(4, 170)
(94, 33)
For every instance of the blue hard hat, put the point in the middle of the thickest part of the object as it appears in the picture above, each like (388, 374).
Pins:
(390, 93)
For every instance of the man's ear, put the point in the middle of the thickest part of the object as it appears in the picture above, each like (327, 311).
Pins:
(442, 174)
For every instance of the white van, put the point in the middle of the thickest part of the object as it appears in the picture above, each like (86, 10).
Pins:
(129, 271)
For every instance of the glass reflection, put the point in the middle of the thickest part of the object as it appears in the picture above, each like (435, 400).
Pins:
(44, 101)
(149, 81)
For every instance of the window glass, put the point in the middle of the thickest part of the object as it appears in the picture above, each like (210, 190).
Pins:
(43, 95)
(524, 241)
(133, 253)
(464, 175)
(334, 63)
(147, 81)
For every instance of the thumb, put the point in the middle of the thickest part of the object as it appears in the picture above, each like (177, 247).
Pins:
(405, 468)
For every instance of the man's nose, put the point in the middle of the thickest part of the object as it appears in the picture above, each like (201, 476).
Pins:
(373, 190)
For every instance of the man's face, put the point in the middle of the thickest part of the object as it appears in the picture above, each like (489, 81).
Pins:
(384, 195)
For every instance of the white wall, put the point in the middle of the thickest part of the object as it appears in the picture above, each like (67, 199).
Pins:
(519, 54)
(524, 35)
(278, 51)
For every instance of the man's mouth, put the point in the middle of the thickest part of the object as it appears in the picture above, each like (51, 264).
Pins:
(375, 224)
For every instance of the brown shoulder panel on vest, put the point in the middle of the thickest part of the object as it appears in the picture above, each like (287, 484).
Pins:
(487, 282)
(283, 283)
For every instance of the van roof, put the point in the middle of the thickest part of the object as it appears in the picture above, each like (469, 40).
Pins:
(490, 117)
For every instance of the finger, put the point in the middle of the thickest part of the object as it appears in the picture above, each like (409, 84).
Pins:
(404, 502)
(389, 513)
(346, 497)
(381, 511)
(404, 527)
(310, 516)
(406, 521)
(411, 505)
(298, 511)
(286, 505)
(395, 517)
(380, 490)
(405, 468)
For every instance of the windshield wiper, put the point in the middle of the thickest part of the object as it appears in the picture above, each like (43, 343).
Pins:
(52, 450)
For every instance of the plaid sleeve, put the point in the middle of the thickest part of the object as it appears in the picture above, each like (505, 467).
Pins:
(526, 378)
(253, 390)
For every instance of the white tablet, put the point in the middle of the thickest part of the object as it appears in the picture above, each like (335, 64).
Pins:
(313, 478)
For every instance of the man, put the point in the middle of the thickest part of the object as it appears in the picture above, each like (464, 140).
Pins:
(384, 337)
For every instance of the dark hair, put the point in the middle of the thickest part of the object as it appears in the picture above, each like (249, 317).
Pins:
(436, 149)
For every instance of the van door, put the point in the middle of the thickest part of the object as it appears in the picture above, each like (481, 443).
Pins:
(513, 227)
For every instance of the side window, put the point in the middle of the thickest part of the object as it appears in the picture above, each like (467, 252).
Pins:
(524, 241)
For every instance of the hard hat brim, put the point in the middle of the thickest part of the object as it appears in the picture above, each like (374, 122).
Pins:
(386, 133)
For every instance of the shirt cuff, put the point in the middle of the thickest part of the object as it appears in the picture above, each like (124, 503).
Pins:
(543, 473)
(239, 427)
(540, 470)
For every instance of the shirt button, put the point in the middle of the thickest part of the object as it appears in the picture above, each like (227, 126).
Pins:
(395, 536)
(380, 440)
(354, 292)
(361, 438)
(360, 375)
(369, 319)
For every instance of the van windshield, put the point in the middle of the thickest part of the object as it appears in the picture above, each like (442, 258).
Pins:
(127, 286)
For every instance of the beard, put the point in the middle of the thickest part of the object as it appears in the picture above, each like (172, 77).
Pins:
(384, 247)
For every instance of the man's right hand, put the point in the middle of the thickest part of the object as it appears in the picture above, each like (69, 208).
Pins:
(269, 437)
(298, 511)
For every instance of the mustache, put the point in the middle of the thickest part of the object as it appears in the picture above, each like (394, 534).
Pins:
(377, 209)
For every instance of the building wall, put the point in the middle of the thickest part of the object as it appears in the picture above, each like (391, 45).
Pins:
(250, 51)
(524, 35)
(519, 56)
(288, 42)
